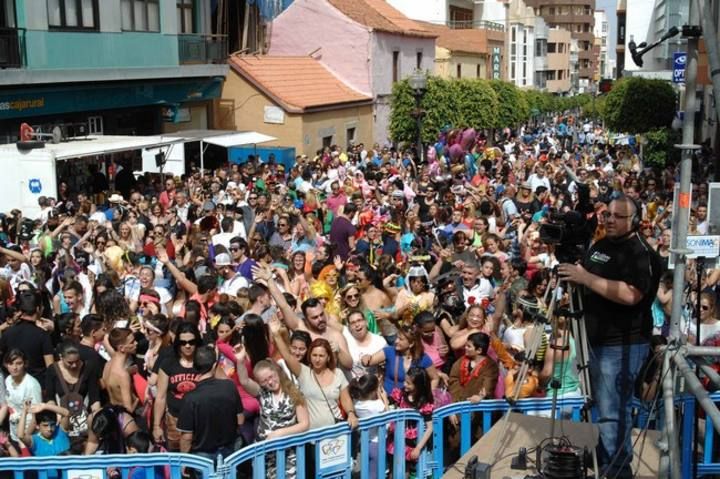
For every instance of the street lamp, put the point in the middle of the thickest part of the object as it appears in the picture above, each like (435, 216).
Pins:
(418, 82)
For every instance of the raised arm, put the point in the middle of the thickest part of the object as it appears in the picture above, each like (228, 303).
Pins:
(291, 318)
(293, 364)
(179, 276)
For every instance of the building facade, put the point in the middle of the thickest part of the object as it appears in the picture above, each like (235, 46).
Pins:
(521, 44)
(601, 32)
(576, 16)
(110, 67)
(468, 52)
(368, 44)
(308, 110)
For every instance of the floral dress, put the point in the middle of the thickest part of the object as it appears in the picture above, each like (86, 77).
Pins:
(399, 399)
(276, 415)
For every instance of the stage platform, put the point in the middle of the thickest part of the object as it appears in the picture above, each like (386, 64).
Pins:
(527, 431)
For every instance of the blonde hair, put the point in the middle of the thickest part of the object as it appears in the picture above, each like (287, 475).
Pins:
(287, 386)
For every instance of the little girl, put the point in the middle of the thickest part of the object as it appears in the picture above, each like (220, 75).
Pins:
(369, 400)
(416, 394)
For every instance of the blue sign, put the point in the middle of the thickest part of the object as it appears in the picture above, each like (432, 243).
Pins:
(679, 62)
(35, 186)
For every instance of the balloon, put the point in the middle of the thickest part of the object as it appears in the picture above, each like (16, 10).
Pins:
(468, 139)
(453, 137)
(456, 151)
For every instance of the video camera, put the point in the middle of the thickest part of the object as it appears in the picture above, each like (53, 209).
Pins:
(573, 230)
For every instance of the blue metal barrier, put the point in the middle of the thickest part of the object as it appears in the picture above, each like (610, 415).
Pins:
(339, 443)
(343, 439)
(487, 409)
(97, 466)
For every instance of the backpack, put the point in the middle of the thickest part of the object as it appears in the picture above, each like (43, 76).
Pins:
(73, 401)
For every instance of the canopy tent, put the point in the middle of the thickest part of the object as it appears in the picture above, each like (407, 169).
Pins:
(225, 139)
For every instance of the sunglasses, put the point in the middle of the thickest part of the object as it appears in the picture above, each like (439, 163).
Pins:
(352, 296)
(234, 250)
(191, 342)
(705, 307)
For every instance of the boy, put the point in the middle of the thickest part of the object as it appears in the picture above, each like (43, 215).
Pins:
(43, 437)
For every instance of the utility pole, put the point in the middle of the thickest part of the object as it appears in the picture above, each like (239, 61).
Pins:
(681, 212)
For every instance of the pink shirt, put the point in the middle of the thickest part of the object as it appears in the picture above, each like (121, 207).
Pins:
(335, 202)
(433, 349)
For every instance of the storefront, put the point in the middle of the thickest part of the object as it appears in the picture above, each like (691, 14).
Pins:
(127, 108)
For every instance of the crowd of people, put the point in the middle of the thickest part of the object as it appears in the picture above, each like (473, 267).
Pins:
(203, 313)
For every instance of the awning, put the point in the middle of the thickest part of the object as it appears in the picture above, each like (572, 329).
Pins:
(99, 145)
(239, 139)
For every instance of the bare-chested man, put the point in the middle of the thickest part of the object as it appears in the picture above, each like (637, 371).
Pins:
(315, 321)
(374, 298)
(115, 375)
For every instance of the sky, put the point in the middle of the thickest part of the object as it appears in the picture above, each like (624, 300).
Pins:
(609, 6)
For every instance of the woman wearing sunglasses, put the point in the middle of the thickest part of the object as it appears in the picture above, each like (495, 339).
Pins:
(176, 377)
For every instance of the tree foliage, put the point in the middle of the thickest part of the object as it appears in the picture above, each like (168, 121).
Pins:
(513, 107)
(636, 105)
(659, 148)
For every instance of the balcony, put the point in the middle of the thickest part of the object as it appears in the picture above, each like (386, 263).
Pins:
(481, 24)
(586, 55)
(584, 36)
(541, 63)
(575, 3)
(558, 19)
(196, 48)
(586, 72)
(12, 47)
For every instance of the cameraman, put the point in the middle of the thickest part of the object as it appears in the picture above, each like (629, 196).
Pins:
(620, 274)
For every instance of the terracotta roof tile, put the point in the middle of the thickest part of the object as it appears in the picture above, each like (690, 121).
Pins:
(297, 83)
(380, 15)
(467, 40)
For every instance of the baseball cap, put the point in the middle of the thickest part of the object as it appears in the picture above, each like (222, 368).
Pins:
(223, 259)
(208, 205)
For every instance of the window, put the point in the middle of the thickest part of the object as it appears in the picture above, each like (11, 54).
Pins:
(73, 14)
(327, 141)
(396, 67)
(186, 16)
(350, 136)
(551, 48)
(459, 70)
(512, 71)
(604, 27)
(418, 60)
(477, 70)
(461, 17)
(95, 125)
(140, 15)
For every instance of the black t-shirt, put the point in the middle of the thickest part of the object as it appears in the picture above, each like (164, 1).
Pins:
(88, 387)
(210, 413)
(633, 261)
(181, 380)
(31, 340)
(92, 359)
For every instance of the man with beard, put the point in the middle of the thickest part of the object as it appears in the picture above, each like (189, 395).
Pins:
(314, 321)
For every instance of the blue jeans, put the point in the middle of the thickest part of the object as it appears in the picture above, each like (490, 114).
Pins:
(613, 370)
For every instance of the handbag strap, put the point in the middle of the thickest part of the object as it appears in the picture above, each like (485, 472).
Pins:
(323, 393)
(397, 370)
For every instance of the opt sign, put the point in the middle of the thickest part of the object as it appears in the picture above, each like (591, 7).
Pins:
(679, 62)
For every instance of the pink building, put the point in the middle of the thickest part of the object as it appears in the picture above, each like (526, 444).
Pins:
(366, 43)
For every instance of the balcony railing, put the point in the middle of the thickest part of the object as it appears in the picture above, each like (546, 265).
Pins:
(198, 48)
(482, 24)
(12, 47)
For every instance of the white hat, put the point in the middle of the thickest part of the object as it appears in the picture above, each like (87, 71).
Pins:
(116, 198)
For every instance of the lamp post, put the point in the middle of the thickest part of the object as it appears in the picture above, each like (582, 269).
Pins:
(418, 82)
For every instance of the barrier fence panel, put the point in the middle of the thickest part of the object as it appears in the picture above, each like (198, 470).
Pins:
(99, 467)
(336, 451)
(487, 412)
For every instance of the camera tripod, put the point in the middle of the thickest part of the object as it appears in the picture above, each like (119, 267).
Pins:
(573, 312)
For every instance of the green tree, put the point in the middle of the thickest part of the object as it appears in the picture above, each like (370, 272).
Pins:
(659, 147)
(513, 107)
(402, 124)
(636, 105)
(476, 103)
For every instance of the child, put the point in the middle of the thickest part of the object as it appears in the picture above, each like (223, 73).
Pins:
(42, 436)
(140, 442)
(416, 394)
(369, 400)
